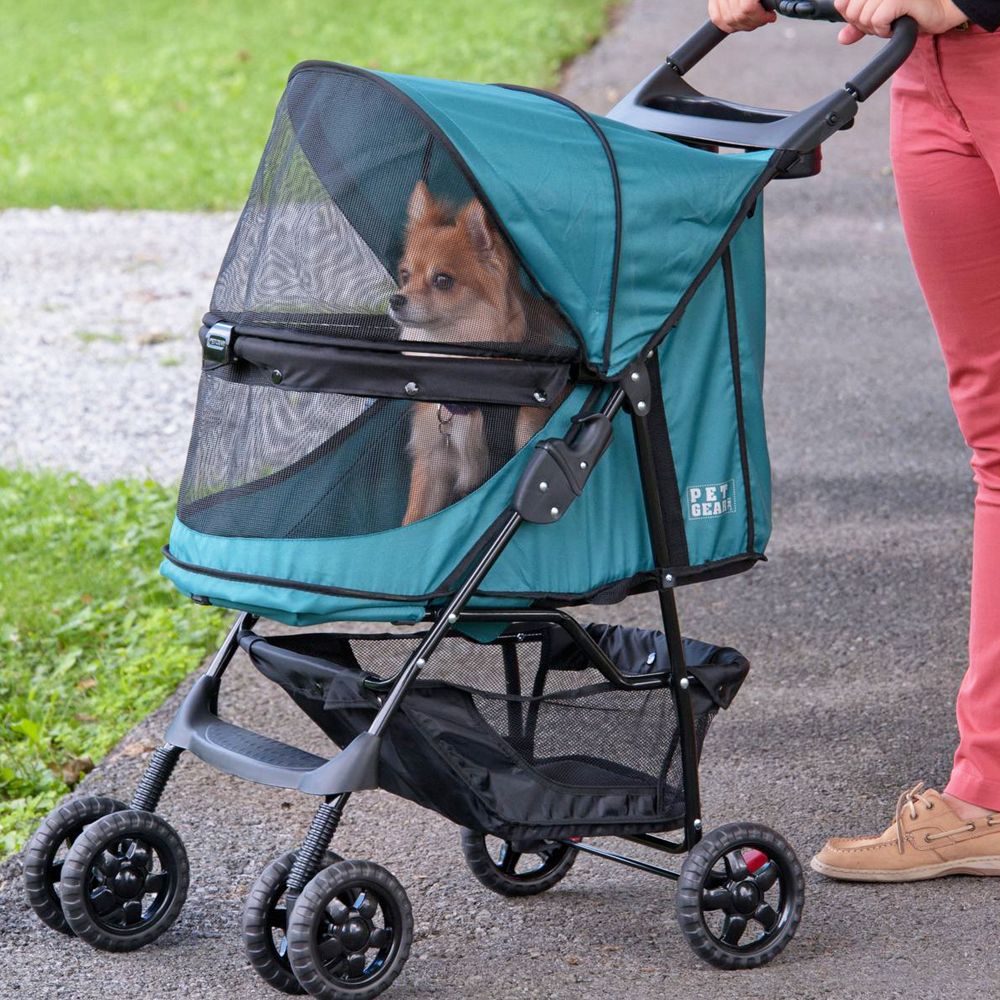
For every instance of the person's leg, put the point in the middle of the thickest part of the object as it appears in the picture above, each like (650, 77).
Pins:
(968, 321)
(950, 204)
(946, 146)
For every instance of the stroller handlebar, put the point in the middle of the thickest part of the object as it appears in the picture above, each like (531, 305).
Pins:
(665, 103)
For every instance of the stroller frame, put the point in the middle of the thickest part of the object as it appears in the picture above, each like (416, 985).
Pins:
(726, 871)
(355, 768)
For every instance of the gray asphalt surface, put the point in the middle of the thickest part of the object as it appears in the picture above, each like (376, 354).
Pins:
(856, 629)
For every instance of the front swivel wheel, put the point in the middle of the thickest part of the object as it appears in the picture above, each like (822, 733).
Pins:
(124, 881)
(265, 923)
(350, 932)
(47, 850)
(739, 896)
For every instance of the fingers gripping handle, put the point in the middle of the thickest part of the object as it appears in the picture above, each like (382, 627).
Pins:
(863, 84)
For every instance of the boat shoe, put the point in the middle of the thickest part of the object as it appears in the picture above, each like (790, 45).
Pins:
(926, 840)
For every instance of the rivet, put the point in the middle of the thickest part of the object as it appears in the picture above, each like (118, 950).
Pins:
(276, 376)
(452, 618)
(697, 824)
(421, 662)
(649, 354)
(411, 388)
(651, 658)
(541, 397)
(583, 465)
(634, 376)
(640, 407)
(543, 486)
(684, 683)
(668, 578)
(554, 512)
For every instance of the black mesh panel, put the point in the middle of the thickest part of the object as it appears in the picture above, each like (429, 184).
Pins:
(361, 226)
(353, 184)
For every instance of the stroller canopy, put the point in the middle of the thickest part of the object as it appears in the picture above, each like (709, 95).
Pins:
(613, 225)
(319, 484)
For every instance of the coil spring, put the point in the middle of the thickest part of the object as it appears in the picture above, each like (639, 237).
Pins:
(309, 856)
(154, 779)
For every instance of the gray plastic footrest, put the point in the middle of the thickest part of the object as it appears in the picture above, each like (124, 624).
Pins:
(246, 754)
(224, 736)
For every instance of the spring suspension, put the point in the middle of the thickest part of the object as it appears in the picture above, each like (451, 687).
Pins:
(309, 857)
(154, 779)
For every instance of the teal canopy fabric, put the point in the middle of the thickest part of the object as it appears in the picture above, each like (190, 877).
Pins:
(550, 179)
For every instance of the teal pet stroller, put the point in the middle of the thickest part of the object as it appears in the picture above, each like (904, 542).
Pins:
(474, 356)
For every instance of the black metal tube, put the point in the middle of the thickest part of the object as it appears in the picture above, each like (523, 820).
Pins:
(154, 779)
(622, 859)
(401, 682)
(230, 644)
(672, 630)
(656, 843)
(598, 658)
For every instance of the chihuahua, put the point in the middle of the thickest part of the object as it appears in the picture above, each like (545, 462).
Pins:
(458, 283)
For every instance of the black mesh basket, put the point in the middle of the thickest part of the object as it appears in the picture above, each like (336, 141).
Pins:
(521, 737)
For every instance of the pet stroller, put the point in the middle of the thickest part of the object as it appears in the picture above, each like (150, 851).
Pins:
(474, 356)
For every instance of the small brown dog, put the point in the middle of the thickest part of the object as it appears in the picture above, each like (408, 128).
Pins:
(459, 283)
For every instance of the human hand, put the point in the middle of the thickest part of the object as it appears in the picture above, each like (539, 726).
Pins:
(875, 17)
(738, 15)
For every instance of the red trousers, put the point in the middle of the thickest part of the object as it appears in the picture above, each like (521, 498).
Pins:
(946, 158)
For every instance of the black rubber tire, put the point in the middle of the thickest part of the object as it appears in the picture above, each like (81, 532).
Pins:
(42, 866)
(712, 881)
(127, 843)
(556, 861)
(262, 914)
(313, 926)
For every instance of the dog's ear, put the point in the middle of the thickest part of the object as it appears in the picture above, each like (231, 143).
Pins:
(422, 206)
(474, 221)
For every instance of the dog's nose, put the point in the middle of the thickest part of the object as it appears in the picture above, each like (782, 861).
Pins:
(397, 301)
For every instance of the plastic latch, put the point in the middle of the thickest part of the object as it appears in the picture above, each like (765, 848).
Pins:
(217, 346)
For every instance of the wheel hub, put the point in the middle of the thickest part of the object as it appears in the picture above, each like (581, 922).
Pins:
(745, 896)
(128, 883)
(355, 933)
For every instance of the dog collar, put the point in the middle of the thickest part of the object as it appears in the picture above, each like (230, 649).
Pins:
(458, 409)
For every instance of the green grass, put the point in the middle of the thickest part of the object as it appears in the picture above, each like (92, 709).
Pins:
(167, 103)
(91, 637)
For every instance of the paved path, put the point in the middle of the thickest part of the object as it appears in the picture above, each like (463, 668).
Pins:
(855, 628)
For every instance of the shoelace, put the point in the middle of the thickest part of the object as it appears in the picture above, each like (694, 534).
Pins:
(909, 800)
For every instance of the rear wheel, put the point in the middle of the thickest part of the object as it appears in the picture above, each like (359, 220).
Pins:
(124, 881)
(46, 852)
(500, 868)
(740, 895)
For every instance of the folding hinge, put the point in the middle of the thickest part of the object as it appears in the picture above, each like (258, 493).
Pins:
(558, 470)
(217, 344)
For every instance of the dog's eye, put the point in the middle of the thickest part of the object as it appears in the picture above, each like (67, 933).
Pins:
(443, 282)
(404, 276)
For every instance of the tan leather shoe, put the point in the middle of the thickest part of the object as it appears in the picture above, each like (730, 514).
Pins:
(926, 840)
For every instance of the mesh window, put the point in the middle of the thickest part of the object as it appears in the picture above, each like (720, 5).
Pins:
(268, 463)
(360, 226)
(360, 223)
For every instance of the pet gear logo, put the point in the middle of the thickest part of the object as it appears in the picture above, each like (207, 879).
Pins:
(711, 501)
